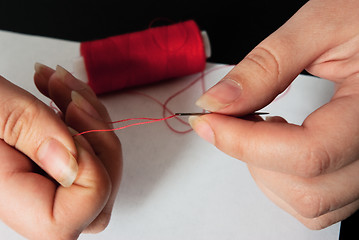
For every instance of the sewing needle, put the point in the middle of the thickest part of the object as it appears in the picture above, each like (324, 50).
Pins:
(204, 113)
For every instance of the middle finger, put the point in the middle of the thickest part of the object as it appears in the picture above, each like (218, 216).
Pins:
(312, 197)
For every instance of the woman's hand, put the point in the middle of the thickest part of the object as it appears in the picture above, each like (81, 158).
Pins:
(311, 170)
(87, 167)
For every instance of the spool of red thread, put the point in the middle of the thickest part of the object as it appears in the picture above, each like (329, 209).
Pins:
(145, 57)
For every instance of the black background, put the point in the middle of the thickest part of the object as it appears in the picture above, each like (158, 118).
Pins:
(234, 27)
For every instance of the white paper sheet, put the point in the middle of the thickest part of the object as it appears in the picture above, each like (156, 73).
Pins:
(176, 186)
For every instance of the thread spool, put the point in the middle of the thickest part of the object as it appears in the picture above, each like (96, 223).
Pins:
(145, 57)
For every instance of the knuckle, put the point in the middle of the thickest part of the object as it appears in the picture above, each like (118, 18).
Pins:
(318, 223)
(313, 162)
(309, 204)
(323, 222)
(18, 119)
(58, 232)
(100, 223)
(112, 148)
(100, 182)
(267, 64)
(114, 144)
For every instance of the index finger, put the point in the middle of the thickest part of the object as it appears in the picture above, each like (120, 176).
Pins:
(274, 63)
(327, 140)
(269, 145)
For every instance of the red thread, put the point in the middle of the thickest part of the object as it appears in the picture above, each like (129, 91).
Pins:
(201, 78)
(141, 58)
(166, 110)
(151, 120)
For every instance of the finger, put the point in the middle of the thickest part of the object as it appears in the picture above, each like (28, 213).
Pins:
(330, 65)
(64, 89)
(106, 146)
(276, 119)
(271, 145)
(31, 127)
(61, 212)
(316, 223)
(93, 188)
(84, 112)
(102, 219)
(312, 149)
(270, 67)
(60, 85)
(313, 197)
(41, 76)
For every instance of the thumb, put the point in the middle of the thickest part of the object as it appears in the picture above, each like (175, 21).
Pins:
(270, 67)
(32, 128)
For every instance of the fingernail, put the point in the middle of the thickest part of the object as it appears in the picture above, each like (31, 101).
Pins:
(202, 128)
(58, 162)
(69, 80)
(83, 104)
(38, 67)
(72, 131)
(220, 96)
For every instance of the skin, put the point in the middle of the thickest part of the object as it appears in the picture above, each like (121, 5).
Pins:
(41, 208)
(309, 170)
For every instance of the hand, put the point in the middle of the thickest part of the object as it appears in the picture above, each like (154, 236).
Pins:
(309, 170)
(87, 167)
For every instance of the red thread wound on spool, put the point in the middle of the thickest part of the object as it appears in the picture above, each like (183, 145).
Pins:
(145, 57)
